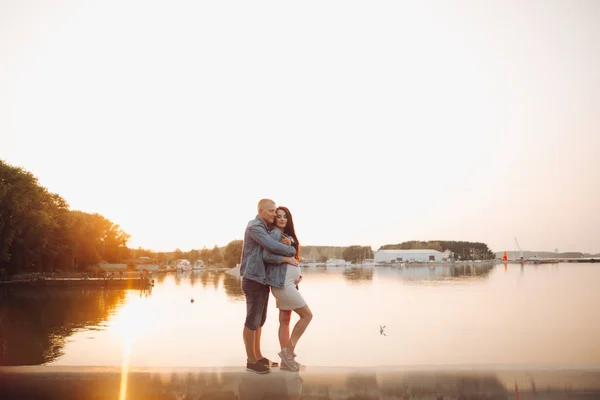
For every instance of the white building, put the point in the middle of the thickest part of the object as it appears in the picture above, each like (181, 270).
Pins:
(416, 255)
(447, 255)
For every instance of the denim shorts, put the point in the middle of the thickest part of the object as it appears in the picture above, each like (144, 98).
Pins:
(257, 298)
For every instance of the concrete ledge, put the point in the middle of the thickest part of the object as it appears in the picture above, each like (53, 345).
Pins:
(47, 382)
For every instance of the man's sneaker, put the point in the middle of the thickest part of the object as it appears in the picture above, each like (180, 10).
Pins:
(257, 368)
(268, 363)
(288, 360)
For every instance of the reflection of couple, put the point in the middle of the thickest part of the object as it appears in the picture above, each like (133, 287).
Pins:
(270, 260)
(274, 386)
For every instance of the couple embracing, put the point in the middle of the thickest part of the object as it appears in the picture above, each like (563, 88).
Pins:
(270, 263)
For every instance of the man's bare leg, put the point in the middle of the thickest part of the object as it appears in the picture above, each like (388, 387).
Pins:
(249, 340)
(257, 352)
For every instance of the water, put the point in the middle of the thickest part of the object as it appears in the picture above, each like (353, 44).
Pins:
(544, 315)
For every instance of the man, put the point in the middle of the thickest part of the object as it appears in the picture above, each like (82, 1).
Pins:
(252, 270)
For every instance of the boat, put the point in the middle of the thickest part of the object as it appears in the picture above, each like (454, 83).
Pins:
(337, 262)
(367, 262)
(183, 265)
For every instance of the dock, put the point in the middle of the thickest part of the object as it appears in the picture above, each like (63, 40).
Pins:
(98, 283)
(551, 261)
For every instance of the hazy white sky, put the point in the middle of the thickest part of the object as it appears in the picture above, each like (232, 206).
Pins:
(375, 122)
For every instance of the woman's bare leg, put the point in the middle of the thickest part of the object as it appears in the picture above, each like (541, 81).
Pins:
(284, 327)
(305, 318)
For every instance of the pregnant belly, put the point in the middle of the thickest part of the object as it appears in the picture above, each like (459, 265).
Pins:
(292, 274)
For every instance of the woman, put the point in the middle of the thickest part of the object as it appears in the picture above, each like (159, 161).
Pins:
(284, 278)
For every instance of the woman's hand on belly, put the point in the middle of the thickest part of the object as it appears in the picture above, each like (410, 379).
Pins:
(290, 260)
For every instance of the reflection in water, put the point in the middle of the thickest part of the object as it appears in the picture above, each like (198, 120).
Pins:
(178, 278)
(204, 278)
(231, 284)
(193, 278)
(441, 272)
(475, 270)
(446, 385)
(417, 272)
(363, 386)
(285, 386)
(435, 315)
(358, 274)
(35, 322)
(159, 278)
(233, 287)
(214, 278)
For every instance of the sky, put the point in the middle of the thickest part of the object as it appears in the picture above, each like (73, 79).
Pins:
(373, 122)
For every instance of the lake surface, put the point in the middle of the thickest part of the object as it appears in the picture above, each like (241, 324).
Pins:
(532, 315)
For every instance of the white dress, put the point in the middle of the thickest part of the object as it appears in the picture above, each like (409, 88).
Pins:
(288, 297)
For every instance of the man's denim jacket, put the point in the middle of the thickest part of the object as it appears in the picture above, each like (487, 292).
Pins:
(275, 269)
(256, 238)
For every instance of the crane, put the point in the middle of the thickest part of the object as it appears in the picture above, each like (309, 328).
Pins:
(519, 248)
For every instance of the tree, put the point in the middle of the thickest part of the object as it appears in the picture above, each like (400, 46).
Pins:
(38, 231)
(357, 253)
(205, 255)
(233, 253)
(31, 221)
(98, 239)
(215, 256)
(193, 255)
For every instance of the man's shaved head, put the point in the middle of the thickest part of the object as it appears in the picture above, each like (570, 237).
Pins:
(265, 204)
(266, 210)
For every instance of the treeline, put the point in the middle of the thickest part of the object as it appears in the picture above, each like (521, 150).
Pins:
(461, 250)
(229, 255)
(321, 253)
(40, 233)
(324, 253)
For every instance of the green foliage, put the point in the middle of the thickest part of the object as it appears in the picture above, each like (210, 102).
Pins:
(205, 255)
(357, 253)
(208, 256)
(233, 253)
(321, 253)
(416, 244)
(38, 231)
(215, 256)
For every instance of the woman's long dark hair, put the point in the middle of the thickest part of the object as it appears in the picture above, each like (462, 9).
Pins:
(290, 230)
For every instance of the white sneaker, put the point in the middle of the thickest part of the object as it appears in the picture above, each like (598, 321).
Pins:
(288, 360)
(301, 367)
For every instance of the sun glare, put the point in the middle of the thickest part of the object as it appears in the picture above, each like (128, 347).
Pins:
(134, 318)
(125, 371)
(132, 321)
